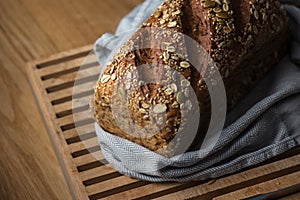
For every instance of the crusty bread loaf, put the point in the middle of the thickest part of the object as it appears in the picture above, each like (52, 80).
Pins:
(243, 37)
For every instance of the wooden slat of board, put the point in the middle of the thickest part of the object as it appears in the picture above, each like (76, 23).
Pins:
(239, 180)
(143, 190)
(109, 184)
(96, 172)
(83, 145)
(61, 111)
(265, 187)
(67, 79)
(88, 128)
(68, 67)
(81, 91)
(81, 116)
(62, 107)
(62, 57)
(89, 158)
(81, 137)
(61, 67)
(77, 124)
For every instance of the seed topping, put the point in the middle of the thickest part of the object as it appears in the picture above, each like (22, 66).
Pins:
(160, 108)
(172, 24)
(105, 78)
(184, 64)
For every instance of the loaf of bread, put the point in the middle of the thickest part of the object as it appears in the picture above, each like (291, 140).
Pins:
(144, 94)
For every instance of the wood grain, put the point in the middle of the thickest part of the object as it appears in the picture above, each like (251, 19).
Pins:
(32, 29)
(262, 188)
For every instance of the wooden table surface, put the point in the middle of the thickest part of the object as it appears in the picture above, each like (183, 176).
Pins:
(31, 29)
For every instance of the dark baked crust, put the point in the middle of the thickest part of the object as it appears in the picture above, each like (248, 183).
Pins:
(244, 38)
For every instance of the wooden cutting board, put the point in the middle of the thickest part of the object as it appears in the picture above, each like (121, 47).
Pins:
(89, 176)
